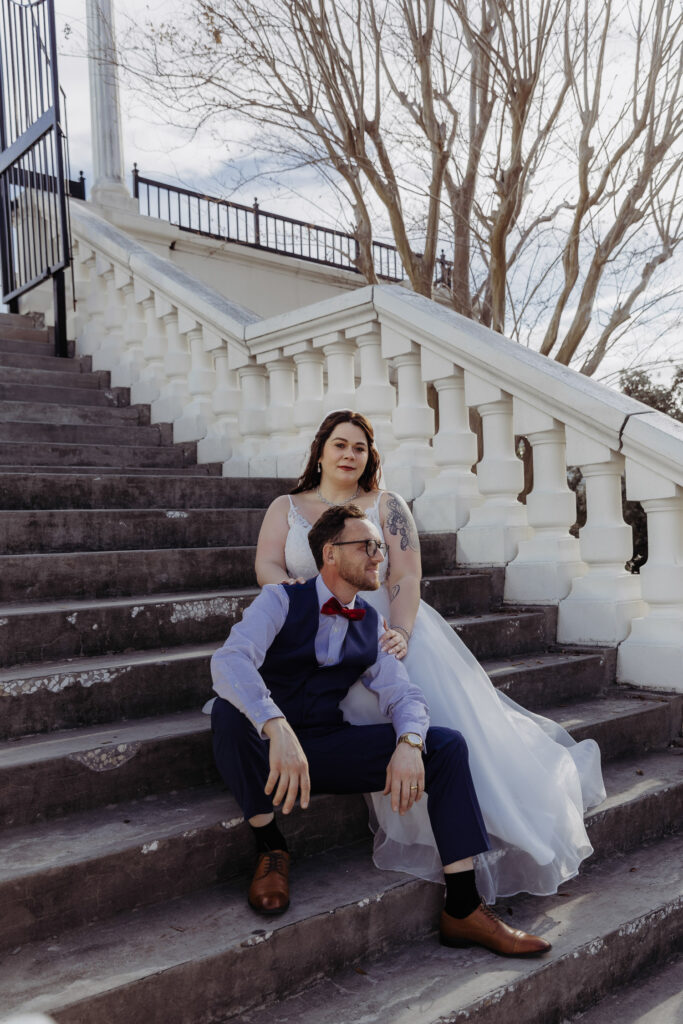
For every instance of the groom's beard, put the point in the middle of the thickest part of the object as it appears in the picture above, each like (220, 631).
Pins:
(364, 579)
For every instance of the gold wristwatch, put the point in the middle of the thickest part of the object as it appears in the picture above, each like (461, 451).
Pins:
(413, 739)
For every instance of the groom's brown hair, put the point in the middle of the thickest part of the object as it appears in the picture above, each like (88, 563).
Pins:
(330, 527)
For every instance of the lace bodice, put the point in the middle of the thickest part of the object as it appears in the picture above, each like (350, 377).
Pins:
(298, 558)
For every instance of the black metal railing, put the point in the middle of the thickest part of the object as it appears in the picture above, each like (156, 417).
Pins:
(34, 217)
(261, 229)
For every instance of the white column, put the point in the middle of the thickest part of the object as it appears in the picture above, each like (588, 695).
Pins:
(652, 654)
(253, 425)
(495, 528)
(375, 397)
(448, 498)
(601, 604)
(109, 188)
(198, 416)
(545, 565)
(272, 460)
(411, 464)
(341, 380)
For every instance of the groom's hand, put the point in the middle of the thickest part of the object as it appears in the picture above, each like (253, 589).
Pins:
(405, 777)
(288, 766)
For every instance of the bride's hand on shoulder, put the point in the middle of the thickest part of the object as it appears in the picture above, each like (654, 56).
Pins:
(270, 547)
(394, 641)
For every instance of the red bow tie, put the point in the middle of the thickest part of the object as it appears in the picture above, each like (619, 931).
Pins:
(333, 607)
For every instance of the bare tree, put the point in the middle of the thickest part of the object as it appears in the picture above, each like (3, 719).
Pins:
(541, 140)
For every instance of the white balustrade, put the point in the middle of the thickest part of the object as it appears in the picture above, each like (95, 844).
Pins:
(546, 564)
(601, 604)
(227, 381)
(496, 527)
(653, 650)
(449, 497)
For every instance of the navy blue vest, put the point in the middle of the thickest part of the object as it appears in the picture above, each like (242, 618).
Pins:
(308, 694)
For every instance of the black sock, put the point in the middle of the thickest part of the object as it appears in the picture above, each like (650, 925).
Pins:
(462, 896)
(269, 837)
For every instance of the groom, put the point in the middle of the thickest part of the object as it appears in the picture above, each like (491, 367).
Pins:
(278, 730)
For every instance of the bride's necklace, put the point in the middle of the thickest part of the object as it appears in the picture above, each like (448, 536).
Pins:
(333, 503)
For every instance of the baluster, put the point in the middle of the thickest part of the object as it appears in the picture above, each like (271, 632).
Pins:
(308, 410)
(174, 394)
(546, 564)
(147, 388)
(109, 354)
(411, 464)
(252, 420)
(341, 381)
(496, 527)
(272, 460)
(130, 364)
(223, 433)
(448, 498)
(92, 305)
(601, 604)
(198, 415)
(652, 654)
(375, 397)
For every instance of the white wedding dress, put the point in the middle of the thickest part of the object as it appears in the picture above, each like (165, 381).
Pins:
(532, 780)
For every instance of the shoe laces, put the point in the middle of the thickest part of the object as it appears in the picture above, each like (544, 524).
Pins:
(490, 913)
(274, 860)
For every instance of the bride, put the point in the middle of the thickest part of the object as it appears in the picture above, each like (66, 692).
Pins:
(532, 780)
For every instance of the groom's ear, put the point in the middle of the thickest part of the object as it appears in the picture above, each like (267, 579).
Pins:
(328, 553)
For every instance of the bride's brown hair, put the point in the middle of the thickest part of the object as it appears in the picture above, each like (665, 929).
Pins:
(369, 479)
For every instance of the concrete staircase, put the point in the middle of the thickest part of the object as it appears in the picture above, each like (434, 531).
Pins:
(123, 862)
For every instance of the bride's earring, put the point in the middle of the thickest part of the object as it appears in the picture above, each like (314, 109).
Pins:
(319, 469)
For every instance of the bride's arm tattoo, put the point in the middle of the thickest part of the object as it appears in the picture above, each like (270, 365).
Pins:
(395, 591)
(399, 521)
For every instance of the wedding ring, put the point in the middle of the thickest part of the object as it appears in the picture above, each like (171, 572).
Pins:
(414, 787)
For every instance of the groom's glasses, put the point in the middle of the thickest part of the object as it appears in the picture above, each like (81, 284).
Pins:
(371, 546)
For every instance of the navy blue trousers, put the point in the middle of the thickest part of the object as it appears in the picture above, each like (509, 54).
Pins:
(354, 759)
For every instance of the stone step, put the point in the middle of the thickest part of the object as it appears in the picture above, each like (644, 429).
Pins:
(59, 773)
(126, 529)
(79, 491)
(653, 997)
(134, 854)
(86, 574)
(36, 469)
(50, 395)
(18, 320)
(84, 435)
(53, 631)
(96, 415)
(19, 377)
(207, 957)
(497, 634)
(20, 359)
(26, 339)
(90, 691)
(120, 456)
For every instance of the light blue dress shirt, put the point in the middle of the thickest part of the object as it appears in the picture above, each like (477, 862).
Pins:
(234, 668)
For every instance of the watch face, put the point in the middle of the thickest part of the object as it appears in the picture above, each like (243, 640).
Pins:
(414, 739)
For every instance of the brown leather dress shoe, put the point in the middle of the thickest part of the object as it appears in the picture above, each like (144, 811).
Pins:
(484, 928)
(269, 889)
